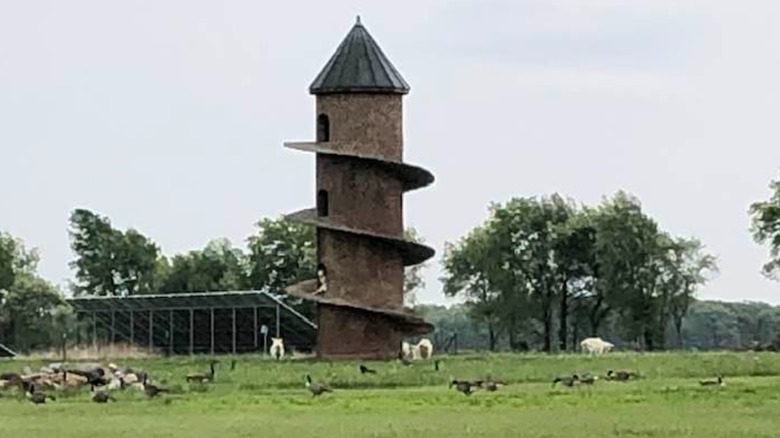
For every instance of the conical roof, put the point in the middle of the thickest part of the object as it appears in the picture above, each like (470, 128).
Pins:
(359, 66)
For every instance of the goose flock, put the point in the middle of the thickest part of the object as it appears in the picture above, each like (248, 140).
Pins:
(37, 386)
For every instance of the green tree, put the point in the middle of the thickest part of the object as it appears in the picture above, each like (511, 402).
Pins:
(533, 241)
(7, 271)
(110, 262)
(469, 266)
(27, 301)
(217, 267)
(628, 249)
(413, 280)
(576, 251)
(765, 226)
(688, 268)
(28, 312)
(281, 253)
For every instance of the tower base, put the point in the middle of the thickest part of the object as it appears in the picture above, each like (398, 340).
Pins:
(345, 333)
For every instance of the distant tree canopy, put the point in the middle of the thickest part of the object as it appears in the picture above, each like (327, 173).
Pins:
(538, 273)
(708, 325)
(28, 303)
(111, 262)
(765, 225)
(540, 263)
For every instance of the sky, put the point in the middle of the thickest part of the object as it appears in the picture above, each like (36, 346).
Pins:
(169, 116)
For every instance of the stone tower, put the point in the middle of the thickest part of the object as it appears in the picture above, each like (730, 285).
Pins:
(361, 179)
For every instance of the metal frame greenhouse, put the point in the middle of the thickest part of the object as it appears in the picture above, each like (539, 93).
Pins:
(192, 323)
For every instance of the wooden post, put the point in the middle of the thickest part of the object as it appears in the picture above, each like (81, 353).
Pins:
(94, 329)
(212, 331)
(234, 330)
(192, 332)
(255, 327)
(277, 321)
(113, 327)
(170, 332)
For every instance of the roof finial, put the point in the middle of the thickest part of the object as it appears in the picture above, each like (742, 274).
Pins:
(357, 21)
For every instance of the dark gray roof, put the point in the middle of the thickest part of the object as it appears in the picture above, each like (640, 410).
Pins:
(359, 66)
(199, 300)
(6, 352)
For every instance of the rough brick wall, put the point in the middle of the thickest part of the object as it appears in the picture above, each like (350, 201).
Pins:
(369, 123)
(356, 334)
(361, 195)
(361, 270)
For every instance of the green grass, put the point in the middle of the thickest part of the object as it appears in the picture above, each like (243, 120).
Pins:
(263, 398)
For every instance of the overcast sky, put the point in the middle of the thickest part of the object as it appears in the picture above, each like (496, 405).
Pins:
(169, 116)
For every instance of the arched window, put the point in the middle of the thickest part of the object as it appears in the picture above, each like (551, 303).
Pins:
(322, 203)
(323, 128)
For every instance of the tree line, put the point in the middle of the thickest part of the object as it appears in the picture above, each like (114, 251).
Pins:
(539, 273)
(708, 325)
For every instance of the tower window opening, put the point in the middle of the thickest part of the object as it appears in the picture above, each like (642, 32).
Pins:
(323, 128)
(322, 203)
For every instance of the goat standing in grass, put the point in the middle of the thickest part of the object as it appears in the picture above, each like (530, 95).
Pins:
(277, 348)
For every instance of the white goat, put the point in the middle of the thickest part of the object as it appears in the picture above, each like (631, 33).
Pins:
(277, 348)
(406, 349)
(595, 346)
(423, 350)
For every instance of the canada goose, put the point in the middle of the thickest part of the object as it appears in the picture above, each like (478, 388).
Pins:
(491, 385)
(8, 380)
(718, 382)
(208, 377)
(11, 377)
(588, 379)
(366, 370)
(101, 396)
(569, 381)
(95, 376)
(152, 390)
(463, 386)
(35, 396)
(316, 388)
(403, 359)
(621, 375)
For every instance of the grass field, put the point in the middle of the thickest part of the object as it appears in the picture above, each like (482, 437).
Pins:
(263, 398)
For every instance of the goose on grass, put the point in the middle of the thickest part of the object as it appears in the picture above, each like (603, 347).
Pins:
(316, 388)
(205, 377)
(569, 381)
(718, 382)
(463, 386)
(152, 390)
(366, 370)
(100, 396)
